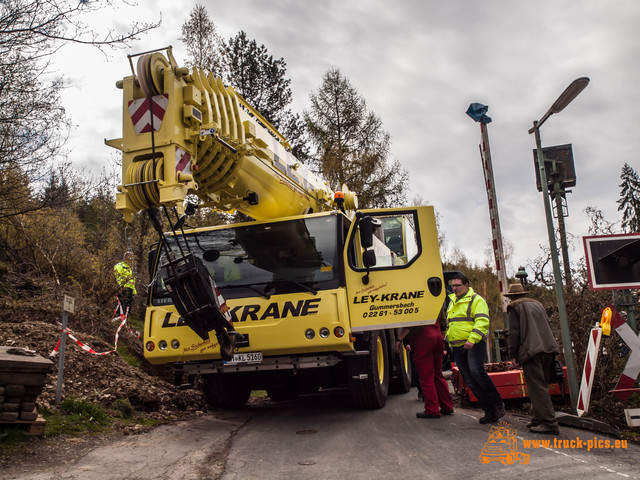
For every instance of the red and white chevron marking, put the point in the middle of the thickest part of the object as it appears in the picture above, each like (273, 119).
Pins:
(589, 371)
(632, 368)
(183, 161)
(140, 112)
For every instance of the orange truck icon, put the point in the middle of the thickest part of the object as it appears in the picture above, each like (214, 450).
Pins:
(502, 446)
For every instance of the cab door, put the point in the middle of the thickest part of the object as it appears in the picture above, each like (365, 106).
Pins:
(393, 271)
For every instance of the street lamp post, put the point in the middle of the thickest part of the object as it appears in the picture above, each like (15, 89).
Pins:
(571, 92)
(557, 194)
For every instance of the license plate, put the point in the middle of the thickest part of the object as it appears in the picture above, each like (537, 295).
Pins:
(249, 357)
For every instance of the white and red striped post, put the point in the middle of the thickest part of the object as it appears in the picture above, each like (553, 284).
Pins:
(496, 234)
(589, 370)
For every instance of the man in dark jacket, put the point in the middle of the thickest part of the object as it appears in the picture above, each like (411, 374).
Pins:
(532, 345)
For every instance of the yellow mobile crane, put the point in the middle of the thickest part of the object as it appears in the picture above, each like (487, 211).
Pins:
(311, 294)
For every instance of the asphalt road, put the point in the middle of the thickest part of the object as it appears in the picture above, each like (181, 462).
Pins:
(323, 437)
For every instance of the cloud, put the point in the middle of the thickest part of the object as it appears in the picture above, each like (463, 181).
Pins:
(419, 64)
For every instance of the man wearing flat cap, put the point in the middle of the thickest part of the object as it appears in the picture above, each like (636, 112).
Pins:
(532, 345)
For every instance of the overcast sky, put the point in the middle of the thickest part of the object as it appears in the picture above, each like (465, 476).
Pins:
(419, 64)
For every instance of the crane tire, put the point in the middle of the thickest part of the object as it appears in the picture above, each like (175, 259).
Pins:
(369, 375)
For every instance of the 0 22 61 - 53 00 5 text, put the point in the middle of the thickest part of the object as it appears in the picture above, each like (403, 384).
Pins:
(397, 311)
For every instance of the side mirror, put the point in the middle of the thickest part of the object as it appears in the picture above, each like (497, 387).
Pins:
(152, 258)
(369, 258)
(366, 232)
(435, 286)
(180, 223)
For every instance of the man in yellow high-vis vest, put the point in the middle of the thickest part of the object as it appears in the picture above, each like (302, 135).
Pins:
(468, 317)
(126, 280)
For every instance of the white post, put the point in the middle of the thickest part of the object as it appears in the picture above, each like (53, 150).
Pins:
(68, 306)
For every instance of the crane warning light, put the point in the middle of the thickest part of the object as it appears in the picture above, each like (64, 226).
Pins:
(339, 200)
(605, 321)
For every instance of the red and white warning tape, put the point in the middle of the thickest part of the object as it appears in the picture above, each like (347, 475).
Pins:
(118, 314)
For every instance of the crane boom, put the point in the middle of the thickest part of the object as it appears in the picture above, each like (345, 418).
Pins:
(185, 133)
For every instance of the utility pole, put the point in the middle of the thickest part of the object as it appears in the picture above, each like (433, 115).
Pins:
(560, 213)
(567, 96)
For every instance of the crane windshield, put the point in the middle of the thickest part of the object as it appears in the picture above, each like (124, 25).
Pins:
(289, 256)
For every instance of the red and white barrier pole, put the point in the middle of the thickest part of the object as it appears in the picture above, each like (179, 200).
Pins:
(589, 370)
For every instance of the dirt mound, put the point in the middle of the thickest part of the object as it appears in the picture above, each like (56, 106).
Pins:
(103, 378)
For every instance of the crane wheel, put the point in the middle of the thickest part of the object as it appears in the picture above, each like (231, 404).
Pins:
(144, 195)
(369, 374)
(150, 70)
(400, 381)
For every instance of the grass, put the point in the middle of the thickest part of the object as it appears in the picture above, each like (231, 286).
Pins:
(124, 407)
(11, 437)
(128, 357)
(76, 417)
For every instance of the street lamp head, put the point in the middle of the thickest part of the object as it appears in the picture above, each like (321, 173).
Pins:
(571, 92)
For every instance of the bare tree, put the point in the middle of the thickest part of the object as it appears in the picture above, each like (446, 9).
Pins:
(599, 226)
(45, 24)
(33, 125)
(418, 200)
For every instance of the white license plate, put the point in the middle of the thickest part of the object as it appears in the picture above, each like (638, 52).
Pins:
(249, 357)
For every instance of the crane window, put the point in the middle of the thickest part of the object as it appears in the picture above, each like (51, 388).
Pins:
(395, 242)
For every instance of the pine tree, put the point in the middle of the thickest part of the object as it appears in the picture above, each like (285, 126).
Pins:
(250, 70)
(629, 202)
(204, 46)
(352, 148)
(261, 80)
(258, 77)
